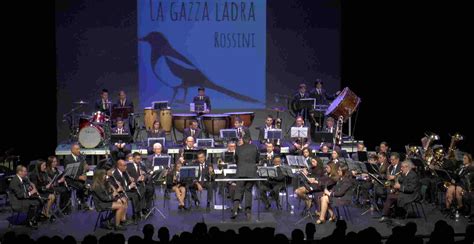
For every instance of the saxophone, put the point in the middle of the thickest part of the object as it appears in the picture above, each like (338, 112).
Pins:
(338, 136)
(278, 122)
(452, 146)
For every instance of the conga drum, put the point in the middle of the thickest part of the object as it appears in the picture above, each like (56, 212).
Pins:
(165, 120)
(150, 116)
(247, 118)
(344, 105)
(181, 121)
(213, 123)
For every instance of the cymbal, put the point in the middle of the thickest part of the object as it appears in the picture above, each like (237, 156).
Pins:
(278, 109)
(81, 102)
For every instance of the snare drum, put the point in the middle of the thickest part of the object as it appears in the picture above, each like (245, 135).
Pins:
(91, 136)
(150, 117)
(344, 105)
(166, 119)
(247, 118)
(181, 121)
(215, 122)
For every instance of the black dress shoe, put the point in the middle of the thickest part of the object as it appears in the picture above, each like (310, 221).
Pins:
(234, 215)
(52, 219)
(120, 228)
(32, 224)
(180, 207)
(268, 206)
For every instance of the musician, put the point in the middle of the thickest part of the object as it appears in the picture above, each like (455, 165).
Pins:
(320, 94)
(120, 149)
(201, 98)
(383, 147)
(360, 148)
(314, 174)
(330, 125)
(44, 185)
(156, 130)
(383, 167)
(407, 190)
(339, 195)
(335, 157)
(269, 155)
(456, 190)
(246, 157)
(300, 94)
(24, 196)
(60, 186)
(242, 131)
(307, 154)
(273, 185)
(157, 152)
(205, 179)
(192, 131)
(141, 175)
(299, 143)
(366, 185)
(107, 197)
(174, 182)
(103, 104)
(324, 148)
(190, 143)
(78, 181)
(261, 132)
(123, 102)
(130, 186)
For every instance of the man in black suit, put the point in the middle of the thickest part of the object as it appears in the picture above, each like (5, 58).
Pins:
(408, 187)
(123, 102)
(246, 157)
(78, 181)
(130, 186)
(205, 180)
(273, 185)
(201, 98)
(261, 133)
(299, 143)
(103, 104)
(23, 198)
(192, 131)
(242, 131)
(320, 94)
(142, 175)
(296, 105)
(269, 155)
(120, 149)
(158, 152)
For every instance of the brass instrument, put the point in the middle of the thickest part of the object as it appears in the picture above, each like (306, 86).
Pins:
(412, 151)
(452, 146)
(338, 136)
(278, 122)
(389, 183)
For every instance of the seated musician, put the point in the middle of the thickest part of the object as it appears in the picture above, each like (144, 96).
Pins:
(241, 130)
(406, 190)
(340, 194)
(43, 184)
(78, 181)
(261, 132)
(120, 149)
(307, 155)
(360, 148)
(103, 104)
(366, 185)
(273, 185)
(299, 143)
(141, 175)
(156, 130)
(330, 126)
(190, 143)
(123, 102)
(391, 173)
(383, 147)
(192, 131)
(158, 152)
(201, 98)
(130, 186)
(106, 197)
(205, 179)
(174, 182)
(335, 157)
(270, 154)
(324, 148)
(314, 175)
(24, 197)
(60, 186)
(456, 190)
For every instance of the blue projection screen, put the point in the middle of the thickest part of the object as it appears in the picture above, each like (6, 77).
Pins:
(216, 44)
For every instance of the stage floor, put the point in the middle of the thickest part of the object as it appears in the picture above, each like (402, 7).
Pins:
(81, 223)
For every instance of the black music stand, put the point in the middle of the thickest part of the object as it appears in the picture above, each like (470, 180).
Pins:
(229, 157)
(273, 134)
(267, 172)
(161, 162)
(152, 140)
(190, 155)
(373, 203)
(159, 105)
(120, 138)
(120, 112)
(228, 134)
(323, 136)
(362, 156)
(71, 170)
(205, 142)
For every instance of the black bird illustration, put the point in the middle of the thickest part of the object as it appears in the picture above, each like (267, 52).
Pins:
(183, 69)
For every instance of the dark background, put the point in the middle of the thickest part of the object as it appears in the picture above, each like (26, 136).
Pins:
(410, 64)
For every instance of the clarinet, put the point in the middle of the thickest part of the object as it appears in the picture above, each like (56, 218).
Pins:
(30, 186)
(118, 183)
(136, 186)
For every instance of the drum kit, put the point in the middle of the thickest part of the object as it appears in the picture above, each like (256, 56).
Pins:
(90, 131)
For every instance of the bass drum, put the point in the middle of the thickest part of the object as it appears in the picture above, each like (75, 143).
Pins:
(247, 118)
(344, 105)
(91, 136)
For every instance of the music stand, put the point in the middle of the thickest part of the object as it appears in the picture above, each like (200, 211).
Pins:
(190, 155)
(371, 168)
(189, 173)
(161, 162)
(273, 134)
(323, 155)
(152, 140)
(229, 157)
(228, 134)
(299, 132)
(120, 138)
(267, 172)
(120, 112)
(159, 105)
(205, 142)
(307, 103)
(362, 156)
(198, 107)
(323, 136)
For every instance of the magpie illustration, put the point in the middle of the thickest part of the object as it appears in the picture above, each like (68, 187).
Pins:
(182, 68)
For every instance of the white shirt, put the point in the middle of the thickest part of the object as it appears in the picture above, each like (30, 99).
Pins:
(124, 180)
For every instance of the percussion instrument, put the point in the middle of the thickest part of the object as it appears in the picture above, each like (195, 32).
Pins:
(344, 105)
(91, 136)
(99, 117)
(181, 121)
(84, 120)
(213, 123)
(81, 102)
(247, 118)
(166, 119)
(150, 116)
